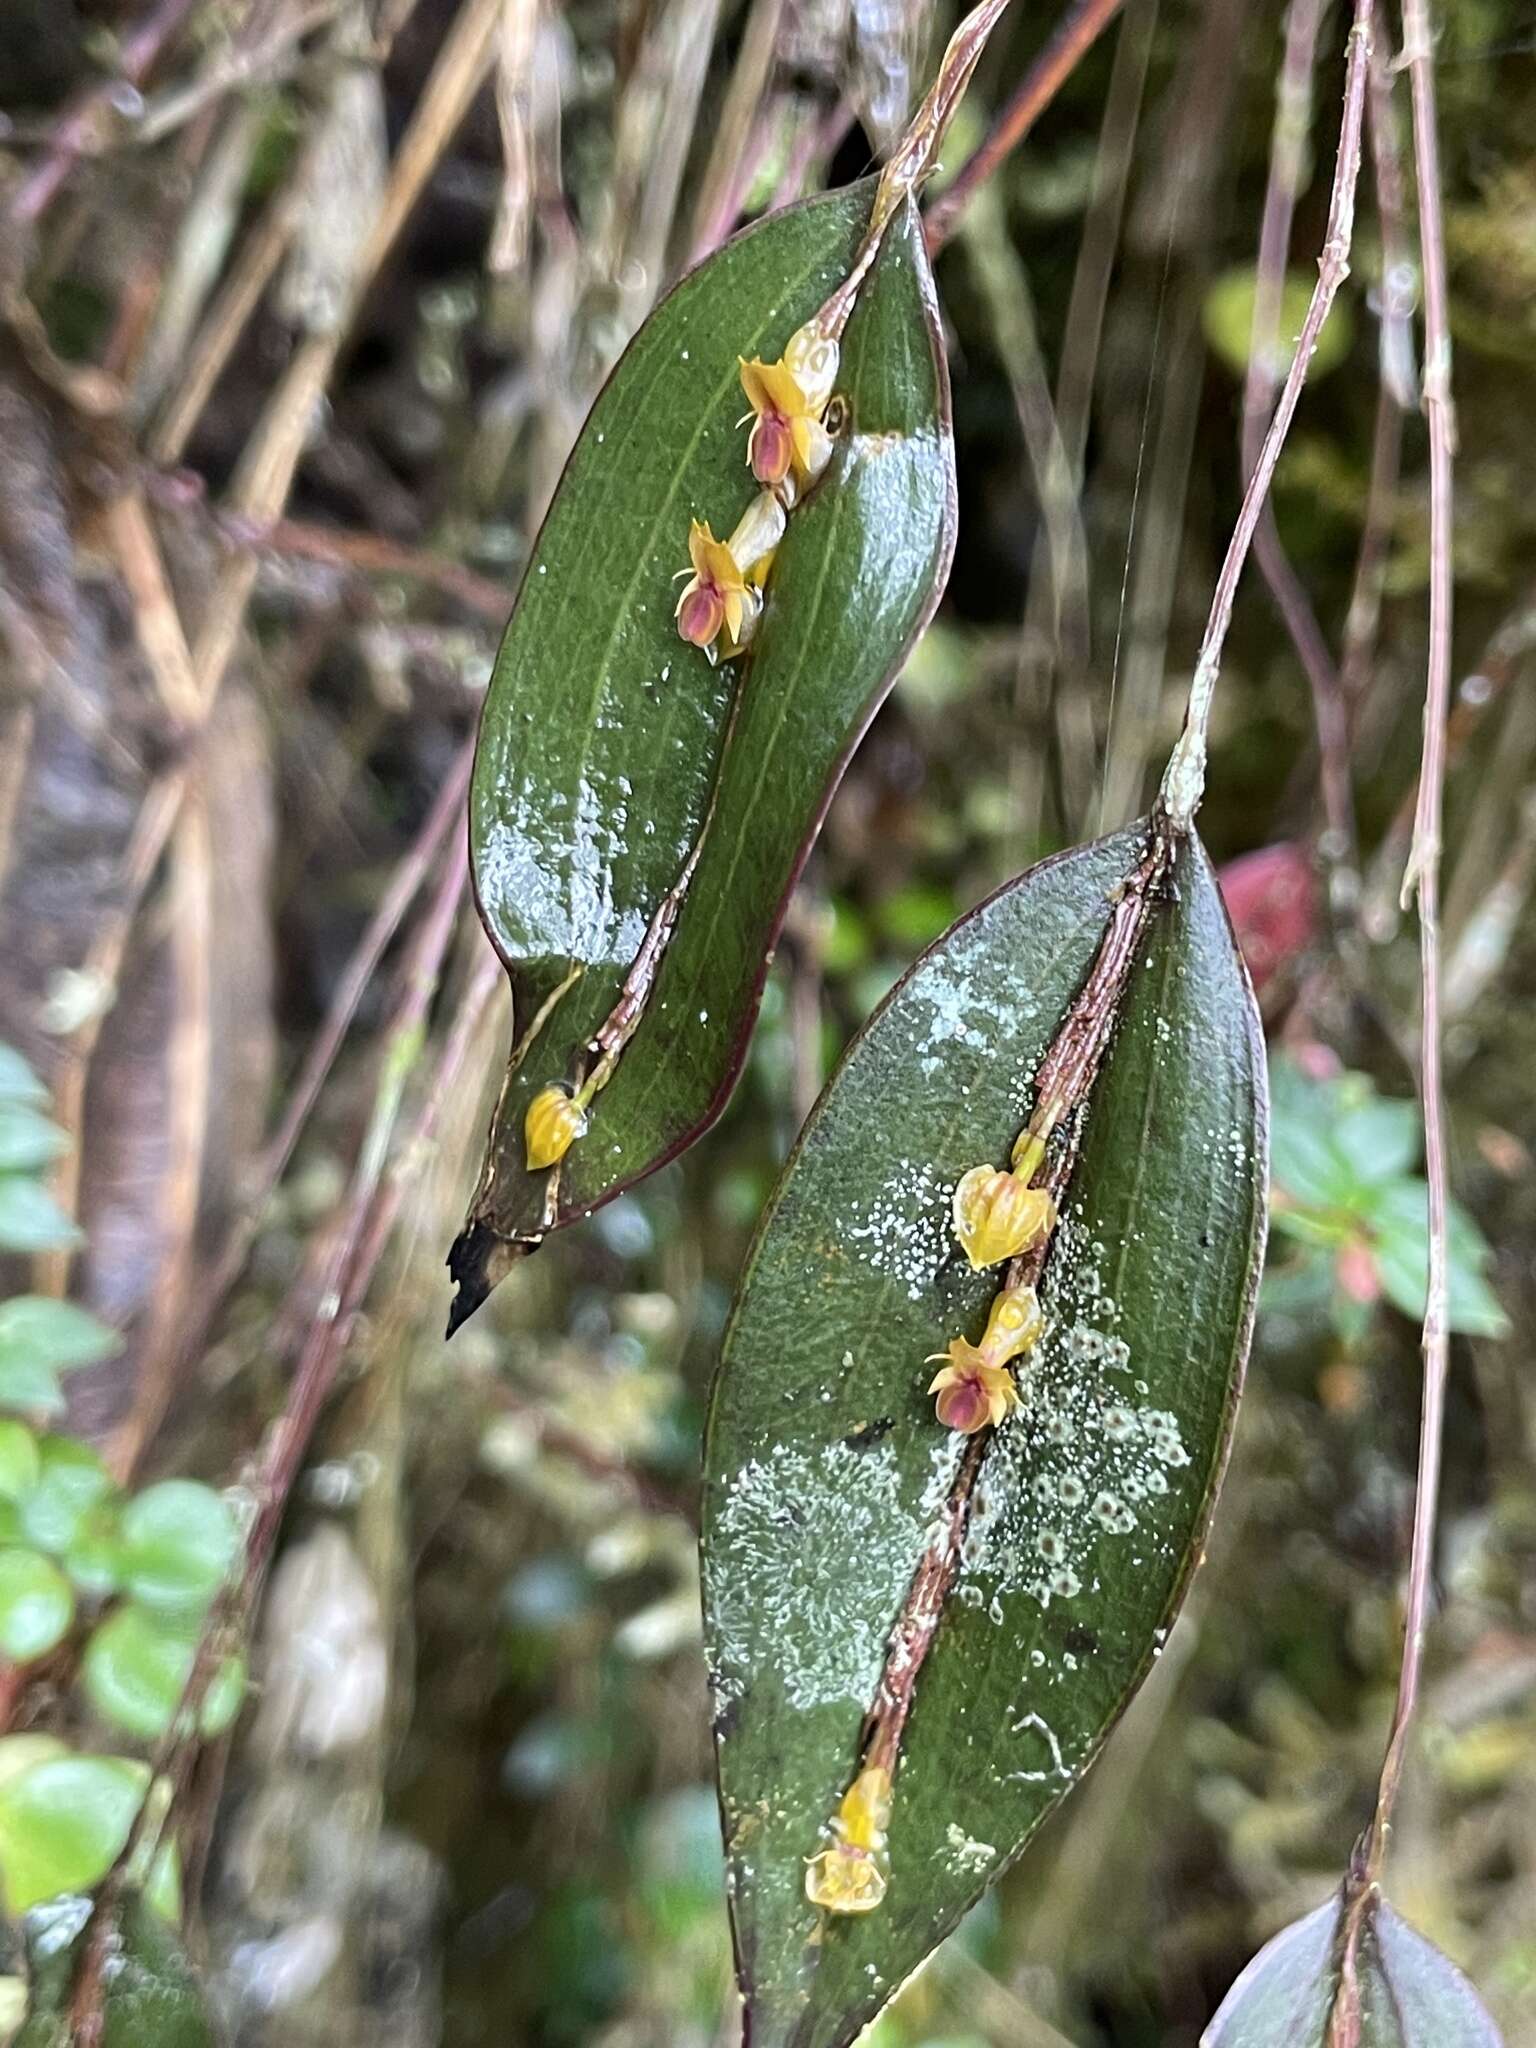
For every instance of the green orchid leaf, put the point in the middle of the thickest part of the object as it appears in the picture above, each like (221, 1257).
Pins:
(825, 1469)
(605, 737)
(1411, 1996)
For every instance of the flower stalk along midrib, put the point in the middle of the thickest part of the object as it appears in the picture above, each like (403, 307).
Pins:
(788, 449)
(998, 1217)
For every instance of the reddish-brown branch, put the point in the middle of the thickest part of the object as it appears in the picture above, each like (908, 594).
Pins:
(1065, 1081)
(1074, 35)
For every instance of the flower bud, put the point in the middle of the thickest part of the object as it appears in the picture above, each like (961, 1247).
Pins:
(997, 1216)
(551, 1127)
(1014, 1326)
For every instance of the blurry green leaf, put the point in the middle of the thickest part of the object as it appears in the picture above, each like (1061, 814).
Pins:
(1228, 320)
(60, 1334)
(19, 1460)
(28, 1139)
(1411, 1996)
(30, 1386)
(604, 734)
(19, 1753)
(63, 1823)
(825, 1470)
(18, 1083)
(1401, 1225)
(37, 1605)
(151, 1994)
(94, 1558)
(915, 915)
(178, 1541)
(136, 1668)
(71, 1479)
(30, 1219)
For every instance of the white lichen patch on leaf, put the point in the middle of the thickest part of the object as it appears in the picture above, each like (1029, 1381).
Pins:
(811, 1556)
(902, 1231)
(1085, 1460)
(1033, 1727)
(964, 1852)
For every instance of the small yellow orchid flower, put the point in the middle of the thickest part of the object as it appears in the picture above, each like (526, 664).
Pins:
(848, 1877)
(552, 1125)
(845, 1879)
(998, 1215)
(972, 1392)
(715, 600)
(721, 605)
(789, 397)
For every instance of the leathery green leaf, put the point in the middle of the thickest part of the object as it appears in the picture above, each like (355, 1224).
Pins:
(824, 1467)
(1411, 1996)
(604, 735)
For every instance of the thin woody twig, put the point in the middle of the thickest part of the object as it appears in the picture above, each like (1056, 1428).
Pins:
(1293, 121)
(1422, 881)
(79, 126)
(1075, 34)
(1184, 780)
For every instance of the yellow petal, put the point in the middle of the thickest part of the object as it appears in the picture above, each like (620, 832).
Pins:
(812, 445)
(700, 541)
(772, 387)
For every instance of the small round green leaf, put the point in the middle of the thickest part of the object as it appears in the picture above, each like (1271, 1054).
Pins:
(29, 1386)
(136, 1668)
(19, 1460)
(95, 1558)
(30, 1219)
(18, 1083)
(63, 1824)
(71, 1480)
(37, 1604)
(178, 1542)
(1228, 320)
(58, 1333)
(28, 1139)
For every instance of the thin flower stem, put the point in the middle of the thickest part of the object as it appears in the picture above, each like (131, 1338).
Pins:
(1074, 35)
(1184, 778)
(1287, 159)
(1423, 881)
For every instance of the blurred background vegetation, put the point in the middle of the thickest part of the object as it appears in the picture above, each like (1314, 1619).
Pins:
(295, 343)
